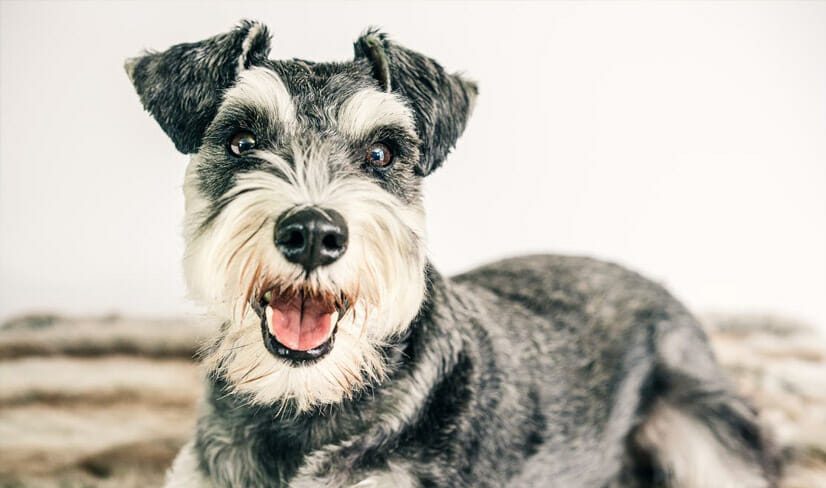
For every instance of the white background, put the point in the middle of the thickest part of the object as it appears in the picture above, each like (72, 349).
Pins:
(685, 140)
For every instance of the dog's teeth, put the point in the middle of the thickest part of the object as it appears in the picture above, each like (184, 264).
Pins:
(334, 317)
(268, 314)
(268, 296)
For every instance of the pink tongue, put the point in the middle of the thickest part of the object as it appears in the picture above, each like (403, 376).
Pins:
(297, 331)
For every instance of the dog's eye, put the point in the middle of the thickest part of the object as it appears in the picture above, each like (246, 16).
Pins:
(242, 142)
(379, 155)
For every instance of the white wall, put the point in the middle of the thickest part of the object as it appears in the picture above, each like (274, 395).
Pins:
(687, 141)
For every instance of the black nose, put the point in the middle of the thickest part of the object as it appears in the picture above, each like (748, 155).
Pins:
(311, 237)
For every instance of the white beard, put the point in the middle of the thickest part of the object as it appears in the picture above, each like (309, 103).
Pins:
(233, 259)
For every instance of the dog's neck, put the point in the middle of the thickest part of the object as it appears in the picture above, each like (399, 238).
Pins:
(280, 439)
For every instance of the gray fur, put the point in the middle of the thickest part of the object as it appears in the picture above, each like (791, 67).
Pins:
(182, 86)
(534, 371)
(442, 102)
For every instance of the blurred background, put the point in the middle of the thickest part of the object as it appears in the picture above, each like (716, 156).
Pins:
(684, 140)
(687, 141)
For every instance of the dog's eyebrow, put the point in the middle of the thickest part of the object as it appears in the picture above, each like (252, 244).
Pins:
(368, 109)
(263, 88)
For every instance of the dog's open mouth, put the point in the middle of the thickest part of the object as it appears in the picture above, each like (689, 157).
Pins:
(299, 325)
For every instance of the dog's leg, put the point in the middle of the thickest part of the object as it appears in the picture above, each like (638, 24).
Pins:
(185, 471)
(690, 453)
(395, 476)
(699, 433)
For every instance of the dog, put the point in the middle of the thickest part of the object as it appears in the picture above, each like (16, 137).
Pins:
(346, 360)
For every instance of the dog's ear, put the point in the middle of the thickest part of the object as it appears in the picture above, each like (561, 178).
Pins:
(441, 102)
(183, 86)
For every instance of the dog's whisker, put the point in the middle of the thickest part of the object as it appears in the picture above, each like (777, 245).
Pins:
(253, 379)
(233, 348)
(246, 240)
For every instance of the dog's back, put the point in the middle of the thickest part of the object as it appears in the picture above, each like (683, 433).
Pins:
(626, 389)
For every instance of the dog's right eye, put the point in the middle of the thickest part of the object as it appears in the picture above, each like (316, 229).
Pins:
(379, 155)
(242, 142)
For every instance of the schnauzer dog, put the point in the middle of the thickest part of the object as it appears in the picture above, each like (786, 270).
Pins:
(346, 360)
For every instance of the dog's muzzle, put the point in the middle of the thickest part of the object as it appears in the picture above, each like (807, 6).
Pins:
(298, 323)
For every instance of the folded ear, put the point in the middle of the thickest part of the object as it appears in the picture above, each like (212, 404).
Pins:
(441, 102)
(183, 86)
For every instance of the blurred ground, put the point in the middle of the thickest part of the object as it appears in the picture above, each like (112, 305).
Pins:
(106, 402)
(102, 402)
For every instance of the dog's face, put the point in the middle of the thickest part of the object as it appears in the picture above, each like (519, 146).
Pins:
(304, 225)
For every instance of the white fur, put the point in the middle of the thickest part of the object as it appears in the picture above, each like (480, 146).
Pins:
(397, 475)
(263, 88)
(184, 472)
(369, 108)
(691, 455)
(387, 479)
(254, 32)
(383, 268)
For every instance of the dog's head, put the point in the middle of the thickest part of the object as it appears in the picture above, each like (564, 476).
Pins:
(304, 225)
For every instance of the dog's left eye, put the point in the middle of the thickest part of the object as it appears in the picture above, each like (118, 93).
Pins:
(242, 142)
(379, 155)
